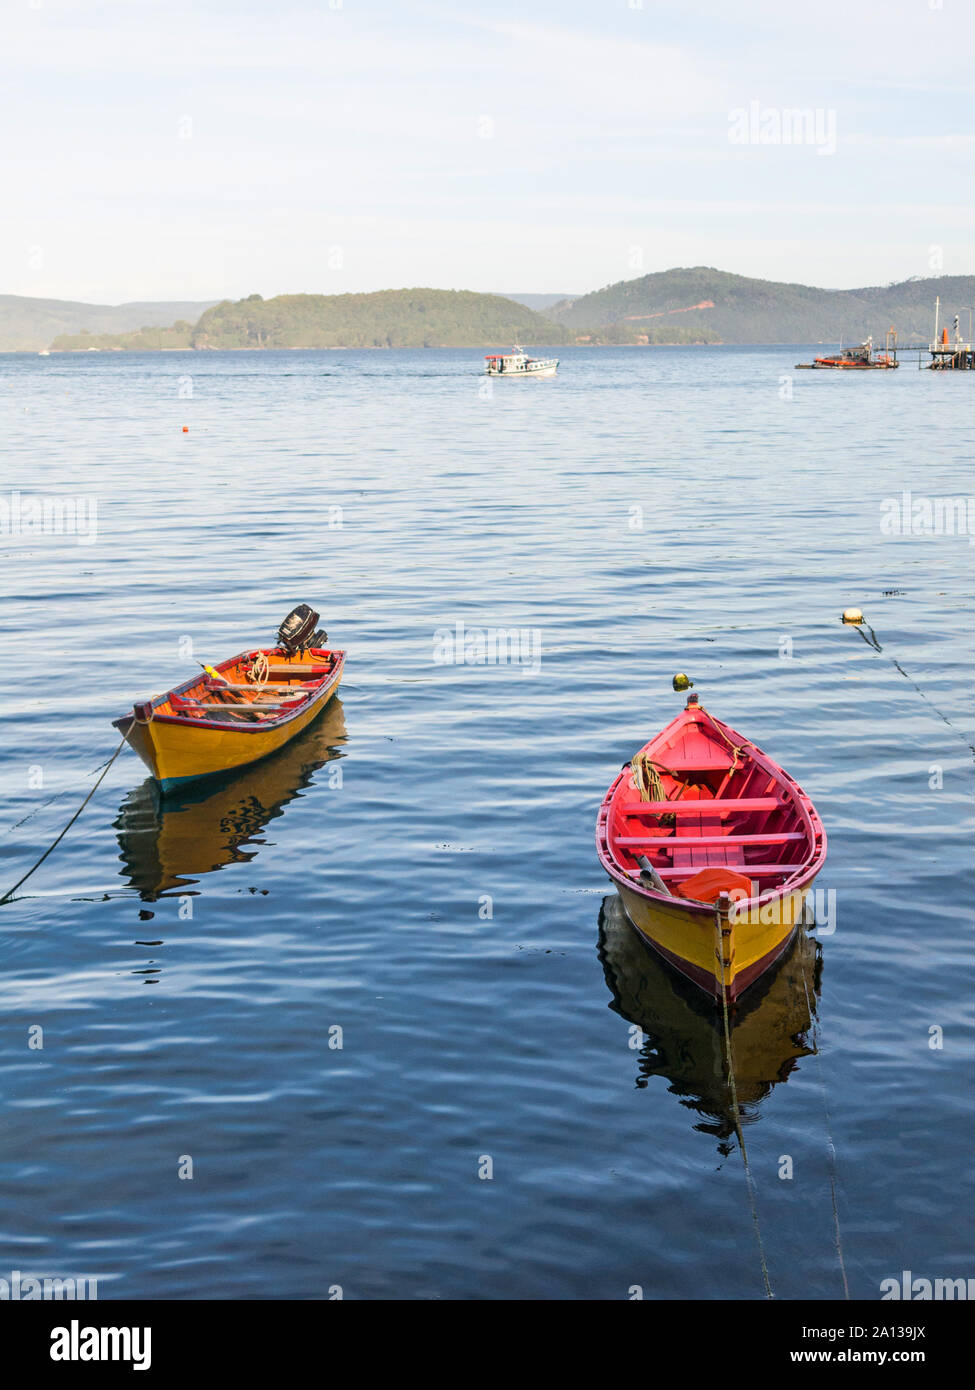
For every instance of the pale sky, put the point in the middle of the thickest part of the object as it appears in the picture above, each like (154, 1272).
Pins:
(197, 149)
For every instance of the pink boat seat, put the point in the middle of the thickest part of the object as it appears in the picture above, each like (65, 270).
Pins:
(683, 808)
(756, 870)
(779, 837)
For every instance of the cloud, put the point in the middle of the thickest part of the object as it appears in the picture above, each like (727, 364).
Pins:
(195, 149)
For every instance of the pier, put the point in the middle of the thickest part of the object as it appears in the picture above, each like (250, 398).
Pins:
(950, 355)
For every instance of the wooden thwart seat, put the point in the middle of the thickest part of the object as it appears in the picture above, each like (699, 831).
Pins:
(255, 689)
(714, 762)
(299, 669)
(670, 841)
(694, 808)
(244, 707)
(755, 870)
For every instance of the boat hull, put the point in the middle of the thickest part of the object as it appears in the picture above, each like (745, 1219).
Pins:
(177, 751)
(689, 941)
(771, 1027)
(851, 366)
(535, 367)
(168, 840)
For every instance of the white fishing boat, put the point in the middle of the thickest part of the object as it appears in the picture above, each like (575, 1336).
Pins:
(517, 363)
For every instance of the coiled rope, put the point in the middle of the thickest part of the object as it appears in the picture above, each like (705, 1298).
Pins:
(259, 670)
(646, 778)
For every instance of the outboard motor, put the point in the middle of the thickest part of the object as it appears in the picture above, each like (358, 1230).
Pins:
(298, 632)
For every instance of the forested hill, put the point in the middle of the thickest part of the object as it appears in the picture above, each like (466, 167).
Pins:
(702, 303)
(699, 305)
(386, 318)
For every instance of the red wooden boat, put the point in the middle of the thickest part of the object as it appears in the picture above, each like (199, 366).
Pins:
(713, 848)
(862, 358)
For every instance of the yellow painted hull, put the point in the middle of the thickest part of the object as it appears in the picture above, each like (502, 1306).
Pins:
(684, 1042)
(750, 941)
(169, 841)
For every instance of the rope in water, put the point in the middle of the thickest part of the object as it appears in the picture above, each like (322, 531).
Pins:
(872, 641)
(829, 1135)
(9, 830)
(735, 1110)
(257, 673)
(53, 845)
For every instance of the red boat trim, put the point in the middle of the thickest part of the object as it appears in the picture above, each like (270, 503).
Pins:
(259, 726)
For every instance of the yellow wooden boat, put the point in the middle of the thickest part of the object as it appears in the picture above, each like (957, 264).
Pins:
(713, 849)
(238, 711)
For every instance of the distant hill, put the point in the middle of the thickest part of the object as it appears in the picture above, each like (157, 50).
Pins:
(704, 304)
(386, 318)
(698, 305)
(28, 325)
(539, 302)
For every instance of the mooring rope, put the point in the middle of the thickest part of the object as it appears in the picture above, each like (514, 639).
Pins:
(736, 748)
(53, 845)
(829, 1134)
(872, 641)
(646, 778)
(735, 1110)
(51, 800)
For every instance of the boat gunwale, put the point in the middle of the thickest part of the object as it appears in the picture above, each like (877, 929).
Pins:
(124, 723)
(799, 879)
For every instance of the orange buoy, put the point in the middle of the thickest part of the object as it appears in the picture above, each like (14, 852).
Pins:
(186, 429)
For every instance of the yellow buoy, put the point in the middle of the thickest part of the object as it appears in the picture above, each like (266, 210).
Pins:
(852, 615)
(682, 682)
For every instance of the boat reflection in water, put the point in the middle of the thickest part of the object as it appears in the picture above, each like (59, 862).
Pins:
(168, 841)
(684, 1033)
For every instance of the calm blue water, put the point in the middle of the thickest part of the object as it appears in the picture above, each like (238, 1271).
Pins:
(419, 872)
